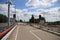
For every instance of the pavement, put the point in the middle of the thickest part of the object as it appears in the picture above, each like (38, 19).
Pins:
(24, 31)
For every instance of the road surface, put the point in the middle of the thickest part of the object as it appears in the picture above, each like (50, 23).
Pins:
(26, 32)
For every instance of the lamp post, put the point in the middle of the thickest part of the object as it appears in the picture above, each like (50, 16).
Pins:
(9, 3)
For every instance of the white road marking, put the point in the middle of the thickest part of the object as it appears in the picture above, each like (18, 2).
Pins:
(35, 35)
(16, 33)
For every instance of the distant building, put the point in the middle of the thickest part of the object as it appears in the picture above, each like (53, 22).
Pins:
(40, 20)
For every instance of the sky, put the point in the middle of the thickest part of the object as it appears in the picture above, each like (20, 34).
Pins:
(49, 9)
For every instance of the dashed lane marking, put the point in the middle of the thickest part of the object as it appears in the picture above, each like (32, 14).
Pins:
(35, 35)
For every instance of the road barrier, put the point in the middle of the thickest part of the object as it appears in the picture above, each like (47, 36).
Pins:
(4, 33)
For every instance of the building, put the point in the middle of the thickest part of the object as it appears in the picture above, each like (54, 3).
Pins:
(40, 20)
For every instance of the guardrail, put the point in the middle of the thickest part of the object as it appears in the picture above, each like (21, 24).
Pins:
(2, 34)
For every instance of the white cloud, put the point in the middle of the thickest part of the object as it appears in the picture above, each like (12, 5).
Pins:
(52, 14)
(4, 8)
(40, 3)
(19, 13)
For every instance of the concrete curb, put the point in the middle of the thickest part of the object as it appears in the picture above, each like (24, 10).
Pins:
(56, 33)
(7, 35)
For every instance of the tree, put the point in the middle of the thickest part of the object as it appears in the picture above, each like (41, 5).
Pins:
(32, 19)
(3, 18)
(21, 21)
(41, 18)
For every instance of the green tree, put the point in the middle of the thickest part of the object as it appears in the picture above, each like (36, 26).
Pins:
(41, 18)
(21, 20)
(3, 18)
(32, 19)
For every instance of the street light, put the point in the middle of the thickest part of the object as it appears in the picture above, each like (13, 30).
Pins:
(9, 3)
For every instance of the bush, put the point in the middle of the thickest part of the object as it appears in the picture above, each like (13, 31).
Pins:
(3, 18)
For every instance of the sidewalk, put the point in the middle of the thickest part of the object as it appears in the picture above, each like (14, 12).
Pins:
(12, 35)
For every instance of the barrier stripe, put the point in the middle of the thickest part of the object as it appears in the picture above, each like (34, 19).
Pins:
(6, 31)
(8, 34)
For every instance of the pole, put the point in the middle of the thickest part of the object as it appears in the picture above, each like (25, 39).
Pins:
(8, 13)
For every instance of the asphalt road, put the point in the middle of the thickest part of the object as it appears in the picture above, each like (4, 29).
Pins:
(26, 32)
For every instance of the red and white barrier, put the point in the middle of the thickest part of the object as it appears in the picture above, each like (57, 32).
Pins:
(6, 33)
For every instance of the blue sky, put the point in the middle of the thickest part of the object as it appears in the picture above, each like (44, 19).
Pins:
(20, 4)
(46, 8)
